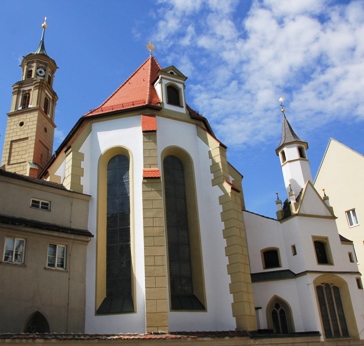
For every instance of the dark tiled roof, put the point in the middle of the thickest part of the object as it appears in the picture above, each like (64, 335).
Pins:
(288, 135)
(45, 226)
(345, 240)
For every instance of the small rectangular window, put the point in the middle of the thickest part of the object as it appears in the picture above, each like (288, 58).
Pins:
(14, 250)
(351, 257)
(359, 283)
(40, 204)
(56, 256)
(352, 217)
(322, 249)
(294, 251)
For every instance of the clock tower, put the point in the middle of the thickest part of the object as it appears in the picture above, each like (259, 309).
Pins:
(30, 128)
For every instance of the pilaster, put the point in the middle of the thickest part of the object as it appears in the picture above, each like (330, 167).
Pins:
(154, 234)
(74, 171)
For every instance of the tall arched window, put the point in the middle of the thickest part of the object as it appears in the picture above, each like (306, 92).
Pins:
(37, 323)
(25, 100)
(332, 311)
(118, 249)
(173, 96)
(179, 251)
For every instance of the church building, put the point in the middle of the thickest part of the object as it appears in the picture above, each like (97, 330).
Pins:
(141, 226)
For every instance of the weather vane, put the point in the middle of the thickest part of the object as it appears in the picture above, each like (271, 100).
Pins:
(150, 47)
(281, 99)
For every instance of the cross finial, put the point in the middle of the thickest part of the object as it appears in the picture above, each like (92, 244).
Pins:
(281, 99)
(150, 47)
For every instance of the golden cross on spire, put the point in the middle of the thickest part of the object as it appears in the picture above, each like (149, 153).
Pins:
(150, 47)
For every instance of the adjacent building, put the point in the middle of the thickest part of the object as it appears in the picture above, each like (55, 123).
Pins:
(343, 184)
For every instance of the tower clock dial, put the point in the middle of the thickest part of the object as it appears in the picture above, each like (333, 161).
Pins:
(40, 72)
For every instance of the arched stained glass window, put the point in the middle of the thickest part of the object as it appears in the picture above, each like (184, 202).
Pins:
(180, 267)
(118, 250)
(279, 319)
(332, 311)
(37, 324)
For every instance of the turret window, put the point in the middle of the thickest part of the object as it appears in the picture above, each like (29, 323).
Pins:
(50, 80)
(283, 156)
(301, 152)
(30, 73)
(25, 100)
(173, 97)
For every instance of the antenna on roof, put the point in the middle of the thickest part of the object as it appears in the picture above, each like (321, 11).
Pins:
(150, 47)
(281, 99)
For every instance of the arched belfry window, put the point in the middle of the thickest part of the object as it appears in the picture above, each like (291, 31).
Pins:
(37, 323)
(173, 96)
(46, 105)
(332, 311)
(25, 100)
(183, 286)
(118, 246)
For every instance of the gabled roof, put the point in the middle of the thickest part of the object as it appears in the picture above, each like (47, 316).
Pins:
(288, 135)
(137, 90)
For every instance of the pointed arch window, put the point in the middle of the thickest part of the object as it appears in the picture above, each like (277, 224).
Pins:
(173, 96)
(182, 288)
(118, 247)
(279, 319)
(332, 311)
(25, 100)
(37, 323)
(279, 316)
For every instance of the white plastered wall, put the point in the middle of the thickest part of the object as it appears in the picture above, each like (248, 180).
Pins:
(219, 314)
(127, 133)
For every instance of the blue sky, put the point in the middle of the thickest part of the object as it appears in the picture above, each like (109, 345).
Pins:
(239, 56)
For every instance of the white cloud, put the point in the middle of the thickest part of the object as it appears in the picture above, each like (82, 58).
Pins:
(309, 51)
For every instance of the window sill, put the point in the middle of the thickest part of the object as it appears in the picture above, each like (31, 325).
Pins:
(22, 265)
(56, 269)
(356, 225)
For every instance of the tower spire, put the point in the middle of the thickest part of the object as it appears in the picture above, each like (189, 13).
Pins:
(41, 48)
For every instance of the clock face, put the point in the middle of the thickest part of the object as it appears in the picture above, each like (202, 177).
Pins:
(40, 72)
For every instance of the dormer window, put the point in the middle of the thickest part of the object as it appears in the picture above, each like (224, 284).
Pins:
(301, 152)
(173, 97)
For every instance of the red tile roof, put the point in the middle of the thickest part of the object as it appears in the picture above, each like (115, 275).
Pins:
(137, 90)
(151, 173)
(149, 123)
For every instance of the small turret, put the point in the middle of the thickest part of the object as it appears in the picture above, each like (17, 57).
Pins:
(292, 153)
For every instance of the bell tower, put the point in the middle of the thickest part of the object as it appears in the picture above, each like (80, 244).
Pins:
(30, 128)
